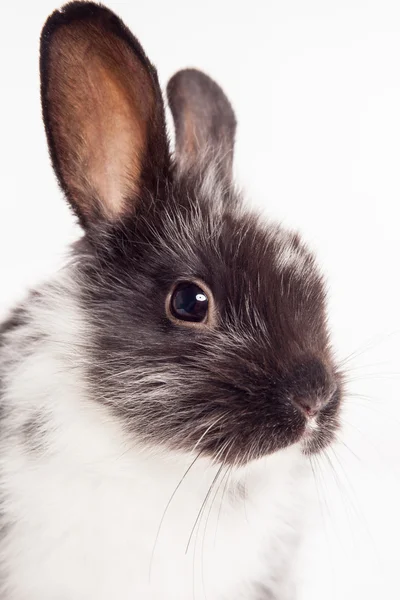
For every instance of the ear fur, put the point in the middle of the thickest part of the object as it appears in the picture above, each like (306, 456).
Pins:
(204, 120)
(103, 112)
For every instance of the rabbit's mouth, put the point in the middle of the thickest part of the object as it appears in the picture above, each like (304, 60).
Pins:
(317, 436)
(264, 423)
(248, 441)
(311, 429)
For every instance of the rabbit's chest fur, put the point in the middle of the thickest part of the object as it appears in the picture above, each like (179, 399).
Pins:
(86, 514)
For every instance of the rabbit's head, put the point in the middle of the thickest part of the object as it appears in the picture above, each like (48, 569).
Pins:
(206, 326)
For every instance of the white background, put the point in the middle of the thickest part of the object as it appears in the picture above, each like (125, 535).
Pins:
(316, 87)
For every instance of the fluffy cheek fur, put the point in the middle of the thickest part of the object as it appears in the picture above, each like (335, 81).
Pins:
(214, 403)
(226, 393)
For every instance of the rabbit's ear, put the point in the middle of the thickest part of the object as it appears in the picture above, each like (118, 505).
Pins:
(205, 123)
(103, 112)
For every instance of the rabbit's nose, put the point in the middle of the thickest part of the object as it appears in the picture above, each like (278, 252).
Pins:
(309, 406)
(312, 404)
(310, 386)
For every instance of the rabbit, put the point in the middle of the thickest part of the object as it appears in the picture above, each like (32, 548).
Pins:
(160, 396)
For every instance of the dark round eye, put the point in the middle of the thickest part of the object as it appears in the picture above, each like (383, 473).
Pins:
(189, 302)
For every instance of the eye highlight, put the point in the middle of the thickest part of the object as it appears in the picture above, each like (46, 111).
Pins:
(189, 302)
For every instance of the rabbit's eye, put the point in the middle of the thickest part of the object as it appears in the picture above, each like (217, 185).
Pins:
(189, 302)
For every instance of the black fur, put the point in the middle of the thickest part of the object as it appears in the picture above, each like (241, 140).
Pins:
(246, 373)
(204, 119)
(14, 320)
(237, 390)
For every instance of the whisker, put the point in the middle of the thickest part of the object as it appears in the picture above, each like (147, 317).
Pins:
(341, 441)
(370, 405)
(345, 498)
(202, 506)
(324, 524)
(198, 522)
(363, 435)
(356, 508)
(207, 430)
(218, 488)
(227, 474)
(166, 509)
(368, 345)
(369, 376)
(244, 498)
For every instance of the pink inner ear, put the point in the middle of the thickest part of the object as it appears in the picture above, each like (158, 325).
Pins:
(113, 144)
(100, 100)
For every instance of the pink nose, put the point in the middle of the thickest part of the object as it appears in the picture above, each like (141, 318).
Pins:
(310, 386)
(311, 406)
(308, 408)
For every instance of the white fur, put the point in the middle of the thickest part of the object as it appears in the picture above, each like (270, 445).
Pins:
(86, 508)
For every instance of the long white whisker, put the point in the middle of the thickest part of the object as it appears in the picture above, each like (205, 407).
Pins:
(166, 509)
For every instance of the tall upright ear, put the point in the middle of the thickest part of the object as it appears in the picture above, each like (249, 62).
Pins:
(103, 112)
(205, 123)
